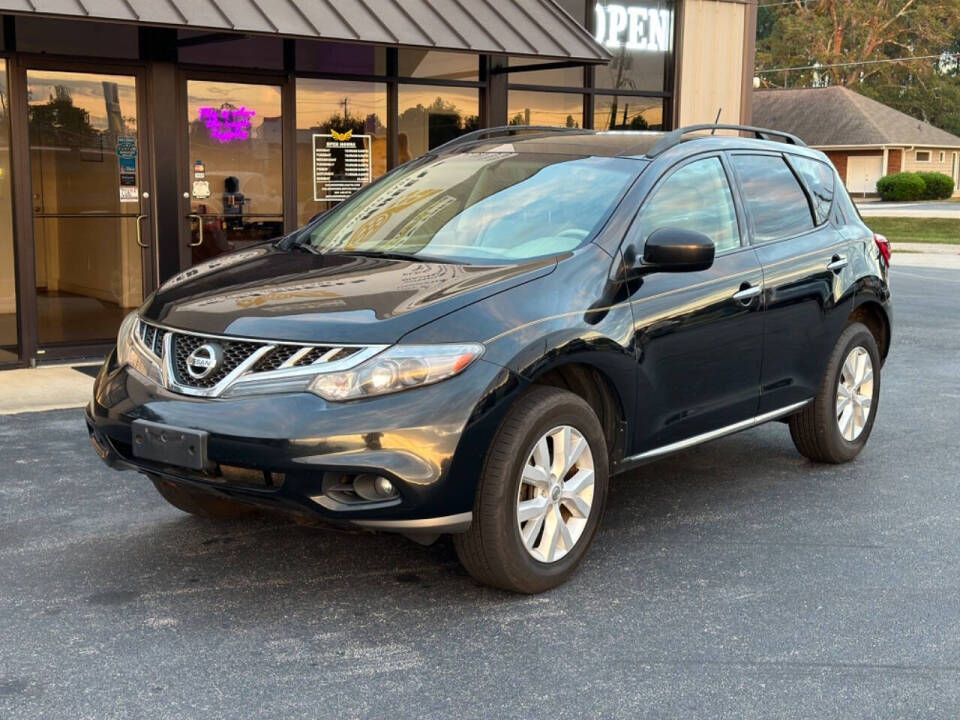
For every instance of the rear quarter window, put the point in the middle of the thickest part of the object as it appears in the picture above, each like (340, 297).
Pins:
(818, 177)
(848, 211)
(776, 202)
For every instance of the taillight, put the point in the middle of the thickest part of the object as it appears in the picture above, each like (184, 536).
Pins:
(883, 245)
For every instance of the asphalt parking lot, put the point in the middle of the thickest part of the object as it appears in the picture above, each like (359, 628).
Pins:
(734, 580)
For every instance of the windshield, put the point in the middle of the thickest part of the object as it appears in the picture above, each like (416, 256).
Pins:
(486, 208)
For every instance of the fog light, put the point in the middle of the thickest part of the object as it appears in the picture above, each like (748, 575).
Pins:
(374, 487)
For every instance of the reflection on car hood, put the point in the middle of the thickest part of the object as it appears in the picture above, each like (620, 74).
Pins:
(266, 292)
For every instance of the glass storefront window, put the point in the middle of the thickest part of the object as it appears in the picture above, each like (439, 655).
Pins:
(346, 58)
(438, 65)
(328, 165)
(541, 108)
(264, 53)
(430, 116)
(560, 77)
(68, 37)
(638, 42)
(626, 112)
(236, 165)
(630, 71)
(8, 286)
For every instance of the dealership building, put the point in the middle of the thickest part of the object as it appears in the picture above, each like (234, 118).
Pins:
(138, 137)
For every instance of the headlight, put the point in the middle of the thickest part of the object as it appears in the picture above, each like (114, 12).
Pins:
(399, 368)
(125, 338)
(131, 350)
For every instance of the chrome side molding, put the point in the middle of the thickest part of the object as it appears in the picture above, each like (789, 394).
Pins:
(714, 434)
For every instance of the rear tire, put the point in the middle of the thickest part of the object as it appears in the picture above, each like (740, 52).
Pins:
(527, 468)
(819, 430)
(201, 504)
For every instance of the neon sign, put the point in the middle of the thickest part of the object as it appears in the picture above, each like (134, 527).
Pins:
(227, 123)
(635, 28)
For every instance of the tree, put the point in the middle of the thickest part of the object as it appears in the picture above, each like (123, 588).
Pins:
(59, 122)
(342, 123)
(847, 36)
(899, 52)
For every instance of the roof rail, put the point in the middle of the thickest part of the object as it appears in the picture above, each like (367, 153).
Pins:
(675, 137)
(504, 130)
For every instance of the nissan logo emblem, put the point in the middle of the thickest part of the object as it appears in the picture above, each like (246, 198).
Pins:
(204, 360)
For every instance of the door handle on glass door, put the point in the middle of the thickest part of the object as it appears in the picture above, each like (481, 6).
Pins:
(140, 242)
(199, 241)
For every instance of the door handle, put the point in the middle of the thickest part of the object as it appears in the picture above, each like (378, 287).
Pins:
(140, 242)
(747, 294)
(199, 241)
(837, 263)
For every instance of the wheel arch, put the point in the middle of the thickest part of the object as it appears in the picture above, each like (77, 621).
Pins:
(599, 390)
(872, 313)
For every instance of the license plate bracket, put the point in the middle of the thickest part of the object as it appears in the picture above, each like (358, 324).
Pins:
(170, 445)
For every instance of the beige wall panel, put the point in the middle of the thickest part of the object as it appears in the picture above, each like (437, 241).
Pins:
(910, 163)
(711, 67)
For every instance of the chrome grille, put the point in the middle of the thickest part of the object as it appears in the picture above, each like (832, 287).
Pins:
(274, 360)
(152, 337)
(325, 354)
(242, 360)
(234, 353)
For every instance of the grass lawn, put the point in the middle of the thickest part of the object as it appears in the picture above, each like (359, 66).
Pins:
(910, 229)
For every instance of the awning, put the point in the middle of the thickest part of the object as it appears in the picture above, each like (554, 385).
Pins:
(513, 27)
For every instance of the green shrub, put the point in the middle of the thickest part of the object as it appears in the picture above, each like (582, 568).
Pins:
(939, 185)
(901, 186)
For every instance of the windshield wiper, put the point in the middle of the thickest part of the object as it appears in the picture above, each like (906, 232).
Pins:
(296, 242)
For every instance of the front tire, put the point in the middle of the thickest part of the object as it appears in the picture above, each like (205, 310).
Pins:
(541, 494)
(835, 427)
(200, 503)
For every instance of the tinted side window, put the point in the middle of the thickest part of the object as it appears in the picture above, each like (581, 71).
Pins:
(818, 178)
(696, 197)
(776, 202)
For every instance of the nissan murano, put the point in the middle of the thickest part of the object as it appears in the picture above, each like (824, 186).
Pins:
(478, 341)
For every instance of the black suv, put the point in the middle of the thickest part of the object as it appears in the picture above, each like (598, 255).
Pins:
(476, 342)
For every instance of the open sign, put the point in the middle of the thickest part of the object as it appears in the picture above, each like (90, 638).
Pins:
(634, 27)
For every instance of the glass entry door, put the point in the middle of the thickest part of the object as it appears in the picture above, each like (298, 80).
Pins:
(235, 165)
(9, 339)
(89, 214)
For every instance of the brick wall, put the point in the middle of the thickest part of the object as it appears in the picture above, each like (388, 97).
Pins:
(900, 160)
(839, 160)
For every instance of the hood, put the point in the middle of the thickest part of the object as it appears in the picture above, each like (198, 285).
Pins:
(271, 293)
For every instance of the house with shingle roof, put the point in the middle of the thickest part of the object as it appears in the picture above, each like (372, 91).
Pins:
(864, 138)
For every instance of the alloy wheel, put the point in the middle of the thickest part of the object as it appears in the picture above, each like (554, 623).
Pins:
(854, 393)
(556, 494)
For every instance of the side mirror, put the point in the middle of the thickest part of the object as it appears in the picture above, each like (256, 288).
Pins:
(675, 250)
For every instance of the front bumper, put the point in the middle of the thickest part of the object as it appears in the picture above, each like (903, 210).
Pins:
(430, 442)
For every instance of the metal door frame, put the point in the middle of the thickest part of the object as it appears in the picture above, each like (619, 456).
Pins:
(28, 319)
